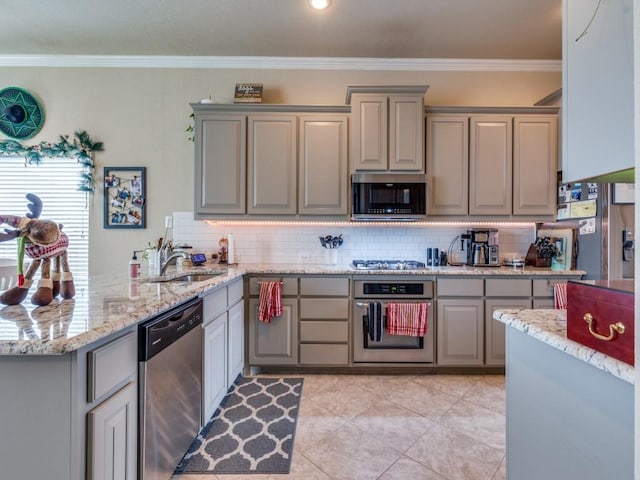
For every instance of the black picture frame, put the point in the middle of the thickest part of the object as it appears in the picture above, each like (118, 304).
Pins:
(125, 193)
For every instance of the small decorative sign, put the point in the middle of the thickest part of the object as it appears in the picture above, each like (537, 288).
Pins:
(124, 197)
(248, 93)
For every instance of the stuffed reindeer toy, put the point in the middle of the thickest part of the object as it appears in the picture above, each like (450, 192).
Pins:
(42, 241)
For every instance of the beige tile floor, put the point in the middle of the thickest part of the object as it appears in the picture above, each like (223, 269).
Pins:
(423, 427)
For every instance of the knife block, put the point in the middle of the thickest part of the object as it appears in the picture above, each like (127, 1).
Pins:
(532, 258)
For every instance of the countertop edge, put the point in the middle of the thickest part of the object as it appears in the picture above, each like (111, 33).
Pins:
(550, 327)
(121, 321)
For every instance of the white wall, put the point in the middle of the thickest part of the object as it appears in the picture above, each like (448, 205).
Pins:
(141, 115)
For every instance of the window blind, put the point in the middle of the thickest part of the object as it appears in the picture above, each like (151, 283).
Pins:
(55, 181)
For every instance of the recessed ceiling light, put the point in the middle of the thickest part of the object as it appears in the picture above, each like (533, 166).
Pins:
(320, 4)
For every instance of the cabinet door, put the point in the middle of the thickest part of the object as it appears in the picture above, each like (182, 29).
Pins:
(490, 165)
(406, 133)
(220, 164)
(598, 130)
(460, 332)
(495, 330)
(214, 382)
(323, 165)
(235, 356)
(535, 164)
(271, 160)
(369, 135)
(274, 343)
(448, 164)
(111, 437)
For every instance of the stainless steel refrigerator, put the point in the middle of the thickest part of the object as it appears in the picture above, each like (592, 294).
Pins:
(607, 252)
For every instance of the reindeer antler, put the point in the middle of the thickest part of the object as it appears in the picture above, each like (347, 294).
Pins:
(35, 205)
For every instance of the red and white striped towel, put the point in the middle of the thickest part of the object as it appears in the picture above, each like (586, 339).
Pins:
(270, 301)
(560, 296)
(409, 319)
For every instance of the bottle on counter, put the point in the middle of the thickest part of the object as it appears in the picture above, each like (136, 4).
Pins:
(134, 266)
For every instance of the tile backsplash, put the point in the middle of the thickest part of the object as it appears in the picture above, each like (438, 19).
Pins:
(299, 243)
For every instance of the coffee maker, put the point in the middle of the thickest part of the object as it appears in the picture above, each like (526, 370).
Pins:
(481, 245)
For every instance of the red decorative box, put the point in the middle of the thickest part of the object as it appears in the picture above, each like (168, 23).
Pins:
(600, 315)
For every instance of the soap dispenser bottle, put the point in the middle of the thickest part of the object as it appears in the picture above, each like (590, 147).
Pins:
(134, 266)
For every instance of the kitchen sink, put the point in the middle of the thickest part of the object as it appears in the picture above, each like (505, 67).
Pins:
(187, 278)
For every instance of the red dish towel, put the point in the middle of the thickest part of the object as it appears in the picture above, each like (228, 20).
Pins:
(560, 296)
(409, 319)
(270, 301)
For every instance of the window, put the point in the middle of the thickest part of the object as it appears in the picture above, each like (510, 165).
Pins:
(55, 181)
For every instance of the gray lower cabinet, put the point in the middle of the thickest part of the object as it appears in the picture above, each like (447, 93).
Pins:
(460, 332)
(495, 348)
(324, 321)
(274, 343)
(223, 349)
(235, 334)
(71, 416)
(111, 437)
(467, 334)
(215, 365)
(502, 293)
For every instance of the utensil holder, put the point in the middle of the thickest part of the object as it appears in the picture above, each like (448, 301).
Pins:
(331, 256)
(154, 263)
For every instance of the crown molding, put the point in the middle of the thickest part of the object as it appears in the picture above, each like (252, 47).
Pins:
(281, 63)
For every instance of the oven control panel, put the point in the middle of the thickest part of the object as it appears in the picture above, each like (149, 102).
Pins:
(393, 288)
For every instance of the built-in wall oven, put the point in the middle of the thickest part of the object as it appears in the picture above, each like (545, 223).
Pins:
(390, 348)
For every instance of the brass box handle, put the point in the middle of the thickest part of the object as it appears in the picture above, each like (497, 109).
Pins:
(614, 328)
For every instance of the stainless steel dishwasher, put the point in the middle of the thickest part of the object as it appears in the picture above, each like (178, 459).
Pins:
(170, 388)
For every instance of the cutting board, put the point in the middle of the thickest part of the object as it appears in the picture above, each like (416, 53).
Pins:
(570, 236)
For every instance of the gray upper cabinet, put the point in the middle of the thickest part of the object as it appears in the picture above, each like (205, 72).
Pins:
(535, 163)
(387, 128)
(492, 161)
(220, 164)
(322, 161)
(597, 86)
(272, 166)
(270, 161)
(448, 164)
(490, 165)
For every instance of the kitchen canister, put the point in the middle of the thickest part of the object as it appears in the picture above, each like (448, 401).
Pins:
(331, 256)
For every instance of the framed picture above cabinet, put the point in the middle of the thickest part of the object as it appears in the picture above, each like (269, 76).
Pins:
(125, 197)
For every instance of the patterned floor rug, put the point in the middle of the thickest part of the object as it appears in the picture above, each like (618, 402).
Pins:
(251, 432)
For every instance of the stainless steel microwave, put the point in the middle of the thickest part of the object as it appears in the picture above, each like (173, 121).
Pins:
(388, 196)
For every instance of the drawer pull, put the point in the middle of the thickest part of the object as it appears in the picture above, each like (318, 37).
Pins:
(614, 328)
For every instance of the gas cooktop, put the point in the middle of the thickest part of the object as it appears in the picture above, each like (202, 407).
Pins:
(387, 265)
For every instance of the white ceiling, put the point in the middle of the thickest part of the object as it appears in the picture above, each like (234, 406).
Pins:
(458, 29)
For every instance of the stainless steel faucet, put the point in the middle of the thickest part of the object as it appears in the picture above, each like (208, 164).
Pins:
(164, 264)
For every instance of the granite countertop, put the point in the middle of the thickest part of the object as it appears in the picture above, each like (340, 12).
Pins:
(550, 327)
(109, 303)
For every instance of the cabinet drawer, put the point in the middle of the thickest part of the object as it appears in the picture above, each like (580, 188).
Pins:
(289, 285)
(214, 304)
(544, 287)
(319, 331)
(315, 354)
(508, 287)
(460, 287)
(543, 303)
(324, 286)
(110, 365)
(235, 292)
(324, 308)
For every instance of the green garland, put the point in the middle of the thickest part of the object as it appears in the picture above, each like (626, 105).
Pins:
(81, 148)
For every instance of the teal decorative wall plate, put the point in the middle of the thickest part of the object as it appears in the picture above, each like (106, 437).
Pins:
(21, 115)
